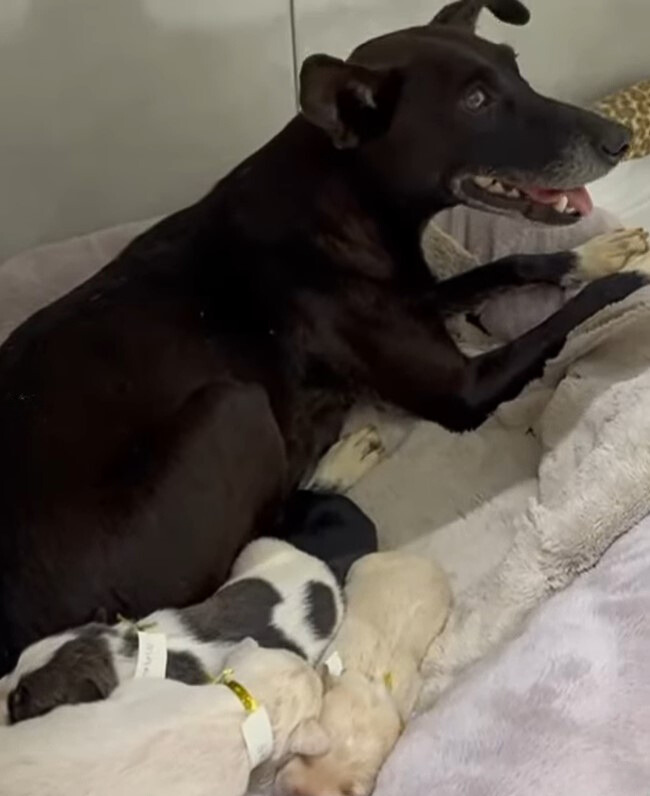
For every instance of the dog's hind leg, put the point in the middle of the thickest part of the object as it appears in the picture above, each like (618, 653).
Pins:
(217, 480)
(347, 461)
(172, 513)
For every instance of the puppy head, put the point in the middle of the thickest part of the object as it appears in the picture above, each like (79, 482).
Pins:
(62, 670)
(363, 725)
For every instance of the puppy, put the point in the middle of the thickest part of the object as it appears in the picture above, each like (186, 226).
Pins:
(396, 605)
(330, 527)
(278, 596)
(165, 738)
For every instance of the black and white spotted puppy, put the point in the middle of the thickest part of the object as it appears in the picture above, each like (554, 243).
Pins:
(277, 595)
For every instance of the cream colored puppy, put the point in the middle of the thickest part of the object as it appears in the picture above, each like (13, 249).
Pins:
(396, 605)
(164, 738)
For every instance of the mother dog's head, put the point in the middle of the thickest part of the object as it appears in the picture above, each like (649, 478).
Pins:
(435, 116)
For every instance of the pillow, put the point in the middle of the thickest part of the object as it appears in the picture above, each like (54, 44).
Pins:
(631, 106)
(626, 192)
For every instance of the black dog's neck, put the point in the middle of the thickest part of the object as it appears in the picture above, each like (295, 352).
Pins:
(299, 183)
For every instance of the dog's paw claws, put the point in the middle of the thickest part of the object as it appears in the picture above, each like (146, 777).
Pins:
(624, 249)
(349, 460)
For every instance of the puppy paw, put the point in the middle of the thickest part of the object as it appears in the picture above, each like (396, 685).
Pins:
(348, 461)
(624, 249)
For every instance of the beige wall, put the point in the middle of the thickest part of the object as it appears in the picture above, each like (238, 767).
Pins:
(571, 48)
(120, 109)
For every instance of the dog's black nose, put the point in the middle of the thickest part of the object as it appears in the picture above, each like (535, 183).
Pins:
(616, 142)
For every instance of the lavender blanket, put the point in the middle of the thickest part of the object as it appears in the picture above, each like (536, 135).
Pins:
(563, 709)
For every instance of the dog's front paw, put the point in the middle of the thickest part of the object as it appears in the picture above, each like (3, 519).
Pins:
(348, 461)
(625, 249)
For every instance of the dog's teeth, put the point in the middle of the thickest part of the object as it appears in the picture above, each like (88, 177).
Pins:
(561, 204)
(496, 187)
(483, 182)
(513, 193)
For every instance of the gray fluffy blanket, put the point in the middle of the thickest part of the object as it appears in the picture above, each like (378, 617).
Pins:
(564, 709)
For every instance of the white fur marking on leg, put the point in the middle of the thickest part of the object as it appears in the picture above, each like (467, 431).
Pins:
(348, 461)
(611, 253)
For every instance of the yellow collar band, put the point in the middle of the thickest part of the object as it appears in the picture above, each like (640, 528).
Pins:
(248, 701)
(256, 730)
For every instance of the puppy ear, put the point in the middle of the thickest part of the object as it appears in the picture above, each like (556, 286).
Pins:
(242, 649)
(247, 646)
(465, 13)
(309, 739)
(351, 103)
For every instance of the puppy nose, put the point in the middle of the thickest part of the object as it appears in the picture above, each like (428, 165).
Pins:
(615, 143)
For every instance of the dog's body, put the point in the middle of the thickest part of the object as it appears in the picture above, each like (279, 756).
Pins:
(396, 605)
(162, 737)
(154, 419)
(278, 596)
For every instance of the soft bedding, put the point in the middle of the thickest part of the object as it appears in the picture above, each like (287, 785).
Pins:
(564, 709)
(568, 463)
(626, 192)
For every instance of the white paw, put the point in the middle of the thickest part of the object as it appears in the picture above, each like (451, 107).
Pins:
(641, 265)
(348, 461)
(625, 249)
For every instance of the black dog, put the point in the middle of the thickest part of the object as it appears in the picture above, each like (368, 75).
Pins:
(153, 420)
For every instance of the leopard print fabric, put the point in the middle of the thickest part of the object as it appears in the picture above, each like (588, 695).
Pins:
(631, 106)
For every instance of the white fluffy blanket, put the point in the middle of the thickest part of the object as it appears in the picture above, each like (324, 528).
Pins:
(564, 709)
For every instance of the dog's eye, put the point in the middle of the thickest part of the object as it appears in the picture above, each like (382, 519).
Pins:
(476, 99)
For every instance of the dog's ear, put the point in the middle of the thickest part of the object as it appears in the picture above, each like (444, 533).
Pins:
(350, 102)
(465, 13)
(309, 739)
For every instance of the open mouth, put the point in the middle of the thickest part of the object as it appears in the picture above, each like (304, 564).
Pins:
(544, 205)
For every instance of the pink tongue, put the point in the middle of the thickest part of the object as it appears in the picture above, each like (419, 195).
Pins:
(579, 198)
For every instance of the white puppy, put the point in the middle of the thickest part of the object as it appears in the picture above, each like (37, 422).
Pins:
(396, 605)
(166, 738)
